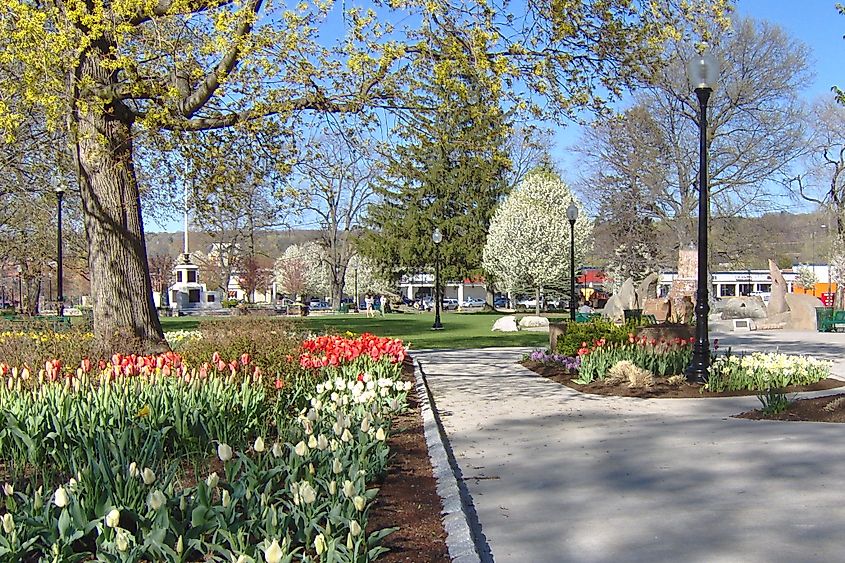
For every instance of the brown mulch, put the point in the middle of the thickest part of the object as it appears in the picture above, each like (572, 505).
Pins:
(408, 496)
(809, 410)
(661, 389)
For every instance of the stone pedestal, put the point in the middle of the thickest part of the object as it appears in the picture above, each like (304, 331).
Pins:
(686, 281)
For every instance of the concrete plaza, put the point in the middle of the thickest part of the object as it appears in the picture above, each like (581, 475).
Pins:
(555, 475)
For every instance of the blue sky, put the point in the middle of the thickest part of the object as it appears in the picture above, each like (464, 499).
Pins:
(815, 22)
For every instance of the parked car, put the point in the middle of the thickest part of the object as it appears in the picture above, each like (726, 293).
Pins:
(528, 303)
(450, 304)
(501, 301)
(470, 302)
(317, 305)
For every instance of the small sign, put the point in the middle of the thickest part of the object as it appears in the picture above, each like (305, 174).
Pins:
(827, 299)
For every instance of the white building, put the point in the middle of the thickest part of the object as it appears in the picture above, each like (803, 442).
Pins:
(733, 284)
(418, 285)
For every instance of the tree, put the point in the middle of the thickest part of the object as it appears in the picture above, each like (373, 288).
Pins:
(107, 72)
(337, 173)
(529, 239)
(448, 172)
(363, 276)
(823, 179)
(252, 276)
(806, 277)
(228, 199)
(161, 274)
(649, 153)
(301, 271)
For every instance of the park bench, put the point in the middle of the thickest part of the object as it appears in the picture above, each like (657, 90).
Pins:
(838, 320)
(824, 319)
(586, 317)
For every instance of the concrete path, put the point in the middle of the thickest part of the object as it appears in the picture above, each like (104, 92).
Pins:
(559, 476)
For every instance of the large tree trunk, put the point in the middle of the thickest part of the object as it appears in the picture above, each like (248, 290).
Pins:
(117, 256)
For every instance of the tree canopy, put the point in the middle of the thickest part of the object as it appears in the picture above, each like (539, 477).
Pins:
(107, 72)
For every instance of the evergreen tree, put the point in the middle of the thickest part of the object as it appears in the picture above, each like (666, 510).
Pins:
(448, 172)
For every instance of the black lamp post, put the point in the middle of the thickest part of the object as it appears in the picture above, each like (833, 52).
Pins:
(437, 237)
(703, 73)
(60, 297)
(20, 287)
(572, 215)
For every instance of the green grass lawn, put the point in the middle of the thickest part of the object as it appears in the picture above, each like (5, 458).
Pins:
(460, 330)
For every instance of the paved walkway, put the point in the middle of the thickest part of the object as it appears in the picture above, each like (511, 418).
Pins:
(558, 476)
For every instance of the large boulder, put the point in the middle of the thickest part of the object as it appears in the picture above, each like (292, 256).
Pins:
(613, 310)
(777, 301)
(531, 321)
(802, 311)
(628, 295)
(750, 307)
(647, 289)
(506, 324)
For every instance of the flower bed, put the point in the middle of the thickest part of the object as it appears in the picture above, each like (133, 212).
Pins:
(761, 372)
(661, 358)
(152, 458)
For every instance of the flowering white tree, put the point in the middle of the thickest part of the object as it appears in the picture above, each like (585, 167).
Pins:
(301, 270)
(528, 242)
(363, 276)
(806, 277)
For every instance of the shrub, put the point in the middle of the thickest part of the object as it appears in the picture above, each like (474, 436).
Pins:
(33, 348)
(579, 335)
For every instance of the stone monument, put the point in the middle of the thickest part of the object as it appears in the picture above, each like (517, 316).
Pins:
(777, 301)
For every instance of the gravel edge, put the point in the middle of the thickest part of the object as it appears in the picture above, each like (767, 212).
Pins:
(464, 540)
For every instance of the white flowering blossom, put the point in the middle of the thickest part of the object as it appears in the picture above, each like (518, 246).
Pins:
(528, 239)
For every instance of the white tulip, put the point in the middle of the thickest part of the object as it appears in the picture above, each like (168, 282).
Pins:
(365, 425)
(273, 553)
(332, 488)
(148, 476)
(240, 559)
(337, 466)
(180, 546)
(301, 449)
(60, 497)
(224, 452)
(322, 442)
(8, 489)
(113, 518)
(133, 469)
(348, 488)
(359, 502)
(354, 527)
(156, 500)
(320, 544)
(37, 502)
(380, 434)
(307, 492)
(212, 480)
(277, 450)
(312, 442)
(258, 446)
(226, 499)
(346, 436)
(121, 541)
(8, 523)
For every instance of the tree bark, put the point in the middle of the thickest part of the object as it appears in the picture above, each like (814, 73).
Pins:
(121, 289)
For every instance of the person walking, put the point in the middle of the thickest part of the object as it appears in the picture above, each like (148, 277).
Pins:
(368, 302)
